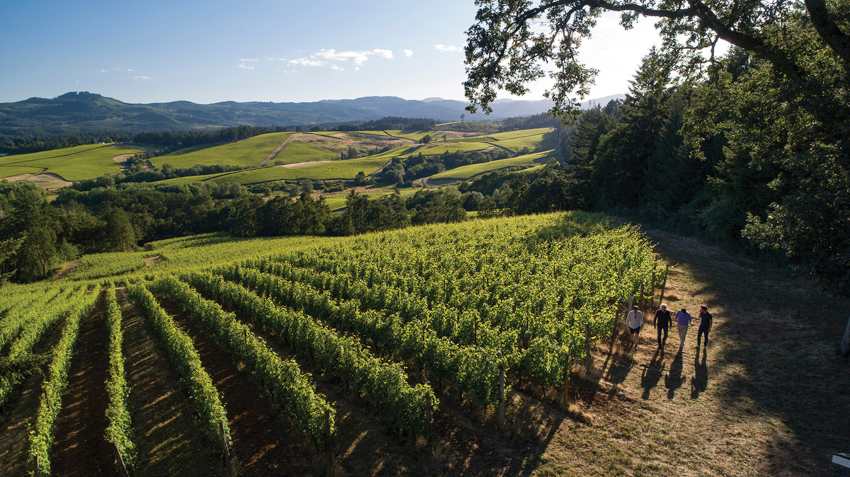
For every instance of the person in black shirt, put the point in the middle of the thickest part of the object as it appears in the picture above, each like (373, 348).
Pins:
(704, 324)
(662, 324)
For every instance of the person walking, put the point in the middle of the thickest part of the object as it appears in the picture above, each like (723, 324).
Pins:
(635, 321)
(662, 324)
(683, 320)
(705, 319)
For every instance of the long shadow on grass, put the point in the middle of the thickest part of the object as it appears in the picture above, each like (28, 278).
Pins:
(783, 332)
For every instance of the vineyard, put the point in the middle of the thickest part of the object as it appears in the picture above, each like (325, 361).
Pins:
(318, 359)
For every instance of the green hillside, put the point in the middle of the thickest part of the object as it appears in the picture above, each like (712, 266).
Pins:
(281, 148)
(337, 200)
(71, 163)
(273, 156)
(466, 172)
(245, 153)
(318, 170)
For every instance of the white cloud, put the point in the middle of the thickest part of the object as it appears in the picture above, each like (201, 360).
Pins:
(442, 48)
(141, 77)
(357, 57)
(306, 62)
(408, 53)
(331, 57)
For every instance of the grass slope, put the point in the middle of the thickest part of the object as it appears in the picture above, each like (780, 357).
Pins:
(346, 169)
(71, 163)
(245, 153)
(336, 201)
(466, 172)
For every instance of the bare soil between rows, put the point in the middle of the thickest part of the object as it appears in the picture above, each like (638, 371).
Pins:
(80, 448)
(166, 433)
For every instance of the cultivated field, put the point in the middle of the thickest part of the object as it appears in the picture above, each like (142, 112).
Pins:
(267, 157)
(472, 170)
(489, 347)
(71, 163)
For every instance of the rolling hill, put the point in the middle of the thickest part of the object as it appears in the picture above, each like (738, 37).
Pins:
(472, 170)
(83, 112)
(67, 164)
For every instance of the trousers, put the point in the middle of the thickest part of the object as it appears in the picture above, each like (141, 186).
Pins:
(662, 334)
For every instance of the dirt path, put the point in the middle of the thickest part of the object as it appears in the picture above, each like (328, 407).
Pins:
(80, 448)
(768, 397)
(299, 165)
(167, 437)
(122, 158)
(262, 445)
(272, 155)
(46, 180)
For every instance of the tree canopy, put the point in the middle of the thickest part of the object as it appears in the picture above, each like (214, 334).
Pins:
(512, 40)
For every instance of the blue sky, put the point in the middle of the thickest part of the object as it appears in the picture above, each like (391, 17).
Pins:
(216, 50)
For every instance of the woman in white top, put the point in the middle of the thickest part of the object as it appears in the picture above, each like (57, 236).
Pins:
(634, 320)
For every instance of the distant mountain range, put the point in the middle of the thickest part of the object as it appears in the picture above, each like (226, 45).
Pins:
(83, 112)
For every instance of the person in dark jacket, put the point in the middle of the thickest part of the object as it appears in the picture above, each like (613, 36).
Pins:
(662, 324)
(705, 319)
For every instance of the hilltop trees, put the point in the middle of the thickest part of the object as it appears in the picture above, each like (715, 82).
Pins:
(506, 51)
(750, 146)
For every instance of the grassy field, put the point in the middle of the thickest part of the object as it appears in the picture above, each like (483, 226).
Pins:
(245, 153)
(336, 201)
(764, 398)
(71, 163)
(324, 170)
(261, 153)
(466, 172)
(437, 148)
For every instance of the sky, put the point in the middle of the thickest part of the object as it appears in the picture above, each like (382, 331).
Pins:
(262, 50)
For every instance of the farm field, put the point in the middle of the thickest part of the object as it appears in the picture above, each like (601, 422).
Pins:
(278, 149)
(71, 163)
(266, 157)
(337, 200)
(245, 153)
(472, 170)
(320, 170)
(433, 350)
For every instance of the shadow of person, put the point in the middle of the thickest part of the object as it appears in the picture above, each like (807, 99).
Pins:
(674, 378)
(618, 371)
(700, 380)
(652, 372)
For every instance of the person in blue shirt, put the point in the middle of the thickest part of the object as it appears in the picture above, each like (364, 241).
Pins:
(683, 321)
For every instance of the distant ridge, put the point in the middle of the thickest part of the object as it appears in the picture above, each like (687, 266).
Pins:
(84, 112)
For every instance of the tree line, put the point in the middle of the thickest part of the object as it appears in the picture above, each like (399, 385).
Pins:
(37, 235)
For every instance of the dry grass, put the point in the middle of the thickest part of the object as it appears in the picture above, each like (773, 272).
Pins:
(768, 397)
